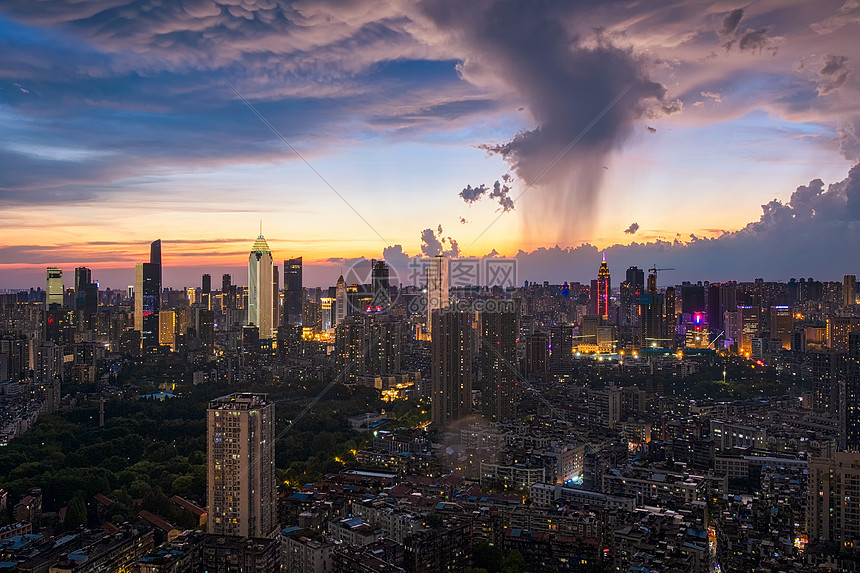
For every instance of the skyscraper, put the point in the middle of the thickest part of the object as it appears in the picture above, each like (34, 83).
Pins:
(206, 292)
(340, 302)
(82, 280)
(155, 259)
(670, 319)
(849, 290)
(228, 292)
(499, 359)
(631, 288)
(260, 307)
(437, 287)
(277, 311)
(241, 465)
(849, 411)
(54, 297)
(294, 292)
(379, 284)
(833, 499)
(147, 298)
(651, 311)
(604, 287)
(451, 364)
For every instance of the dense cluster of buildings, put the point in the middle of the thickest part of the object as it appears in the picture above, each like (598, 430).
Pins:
(557, 427)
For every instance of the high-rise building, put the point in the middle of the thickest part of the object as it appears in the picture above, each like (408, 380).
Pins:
(692, 298)
(604, 288)
(833, 499)
(206, 292)
(241, 465)
(228, 292)
(260, 306)
(651, 313)
(561, 343)
(537, 354)
(54, 296)
(631, 289)
(451, 364)
(379, 284)
(781, 324)
(437, 288)
(838, 330)
(670, 319)
(277, 311)
(167, 328)
(147, 297)
(82, 279)
(340, 302)
(849, 411)
(294, 292)
(368, 345)
(155, 259)
(826, 369)
(499, 359)
(849, 290)
(748, 319)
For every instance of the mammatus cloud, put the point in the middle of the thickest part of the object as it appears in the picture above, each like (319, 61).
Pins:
(631, 230)
(500, 193)
(575, 84)
(434, 243)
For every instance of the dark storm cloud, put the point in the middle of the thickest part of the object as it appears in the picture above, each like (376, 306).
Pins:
(434, 243)
(567, 80)
(730, 22)
(787, 240)
(500, 193)
(833, 74)
(749, 40)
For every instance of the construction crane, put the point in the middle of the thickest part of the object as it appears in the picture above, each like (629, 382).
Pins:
(655, 269)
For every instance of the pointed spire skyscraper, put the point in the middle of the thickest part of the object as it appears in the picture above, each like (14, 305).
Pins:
(260, 297)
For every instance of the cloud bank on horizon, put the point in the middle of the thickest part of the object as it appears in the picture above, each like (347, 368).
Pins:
(94, 95)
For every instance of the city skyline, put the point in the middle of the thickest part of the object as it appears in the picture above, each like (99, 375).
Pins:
(658, 139)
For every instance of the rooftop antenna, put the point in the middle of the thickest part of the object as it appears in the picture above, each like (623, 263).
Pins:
(261, 227)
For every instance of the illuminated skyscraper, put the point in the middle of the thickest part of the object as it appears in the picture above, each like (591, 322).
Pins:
(206, 292)
(604, 287)
(849, 411)
(781, 324)
(241, 465)
(294, 292)
(147, 297)
(277, 307)
(499, 360)
(748, 318)
(260, 305)
(437, 287)
(451, 362)
(54, 298)
(167, 328)
(340, 302)
(155, 259)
